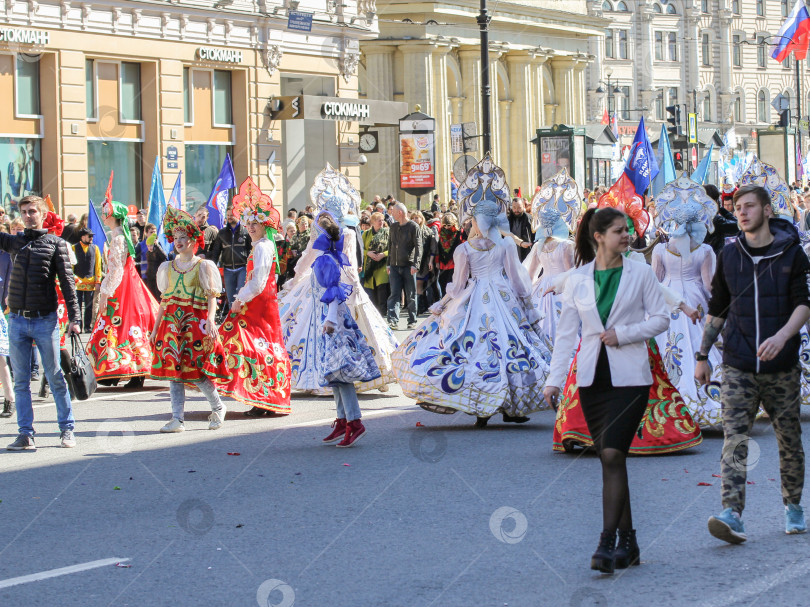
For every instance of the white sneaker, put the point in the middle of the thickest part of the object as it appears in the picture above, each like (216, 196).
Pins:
(217, 418)
(173, 426)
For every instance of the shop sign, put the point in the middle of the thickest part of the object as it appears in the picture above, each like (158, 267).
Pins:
(456, 139)
(24, 36)
(171, 153)
(416, 152)
(221, 55)
(344, 110)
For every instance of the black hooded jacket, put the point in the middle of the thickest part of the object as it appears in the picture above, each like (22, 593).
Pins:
(39, 259)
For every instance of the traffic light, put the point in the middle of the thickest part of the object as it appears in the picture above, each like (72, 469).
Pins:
(678, 161)
(784, 118)
(674, 118)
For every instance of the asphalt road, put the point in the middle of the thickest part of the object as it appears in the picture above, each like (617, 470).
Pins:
(424, 511)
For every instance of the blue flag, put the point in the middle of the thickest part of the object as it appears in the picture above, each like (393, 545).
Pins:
(218, 200)
(157, 204)
(174, 199)
(95, 225)
(702, 170)
(641, 167)
(667, 163)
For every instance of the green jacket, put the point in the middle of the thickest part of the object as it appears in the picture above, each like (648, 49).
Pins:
(374, 272)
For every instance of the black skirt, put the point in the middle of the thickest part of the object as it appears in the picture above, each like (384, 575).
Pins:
(612, 413)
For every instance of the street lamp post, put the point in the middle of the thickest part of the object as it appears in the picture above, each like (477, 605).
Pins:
(483, 24)
(611, 90)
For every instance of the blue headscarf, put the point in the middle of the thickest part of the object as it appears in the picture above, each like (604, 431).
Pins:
(327, 268)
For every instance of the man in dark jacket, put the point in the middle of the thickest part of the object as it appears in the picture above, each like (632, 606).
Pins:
(520, 224)
(209, 232)
(404, 258)
(725, 224)
(231, 248)
(760, 301)
(39, 260)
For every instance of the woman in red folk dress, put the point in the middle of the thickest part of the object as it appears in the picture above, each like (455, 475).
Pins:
(119, 345)
(255, 355)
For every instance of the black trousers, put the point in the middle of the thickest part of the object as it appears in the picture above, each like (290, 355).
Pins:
(85, 299)
(612, 413)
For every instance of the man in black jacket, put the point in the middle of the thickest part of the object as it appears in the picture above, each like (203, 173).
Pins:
(760, 300)
(520, 224)
(404, 257)
(231, 248)
(39, 260)
(725, 224)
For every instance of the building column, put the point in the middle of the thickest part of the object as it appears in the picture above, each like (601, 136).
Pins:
(539, 85)
(563, 68)
(522, 117)
(724, 47)
(441, 111)
(646, 75)
(580, 92)
(470, 59)
(381, 174)
(691, 32)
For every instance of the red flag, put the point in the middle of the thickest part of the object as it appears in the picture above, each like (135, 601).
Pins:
(108, 193)
(49, 202)
(605, 117)
(622, 195)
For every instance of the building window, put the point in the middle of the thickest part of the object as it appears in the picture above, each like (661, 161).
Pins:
(735, 7)
(704, 6)
(622, 44)
(123, 157)
(705, 50)
(223, 114)
(622, 7)
(737, 109)
(736, 51)
(187, 109)
(203, 164)
(23, 173)
(672, 95)
(657, 8)
(762, 51)
(762, 106)
(659, 107)
(609, 53)
(672, 46)
(624, 103)
(707, 108)
(787, 63)
(130, 91)
(90, 89)
(28, 85)
(607, 7)
(760, 8)
(671, 10)
(659, 46)
(785, 8)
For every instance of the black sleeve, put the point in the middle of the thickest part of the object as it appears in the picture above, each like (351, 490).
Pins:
(721, 296)
(799, 276)
(417, 252)
(216, 249)
(64, 272)
(7, 242)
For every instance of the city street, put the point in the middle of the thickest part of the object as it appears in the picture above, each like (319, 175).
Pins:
(426, 510)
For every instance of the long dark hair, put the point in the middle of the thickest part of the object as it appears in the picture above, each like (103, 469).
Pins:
(329, 226)
(591, 223)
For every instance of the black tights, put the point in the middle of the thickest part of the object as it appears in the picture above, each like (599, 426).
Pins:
(615, 491)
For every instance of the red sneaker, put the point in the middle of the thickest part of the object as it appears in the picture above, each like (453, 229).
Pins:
(354, 430)
(339, 426)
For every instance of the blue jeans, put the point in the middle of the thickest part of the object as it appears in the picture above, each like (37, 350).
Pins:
(22, 333)
(400, 278)
(234, 280)
(348, 407)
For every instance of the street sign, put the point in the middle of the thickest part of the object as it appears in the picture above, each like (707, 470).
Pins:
(456, 139)
(780, 103)
(462, 166)
(470, 132)
(804, 126)
(299, 21)
(692, 128)
(694, 158)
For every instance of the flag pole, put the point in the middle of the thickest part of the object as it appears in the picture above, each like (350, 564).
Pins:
(799, 107)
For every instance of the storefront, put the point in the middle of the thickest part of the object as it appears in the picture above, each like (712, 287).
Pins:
(99, 89)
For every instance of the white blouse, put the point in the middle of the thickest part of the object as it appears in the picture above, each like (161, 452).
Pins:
(210, 280)
(263, 254)
(116, 259)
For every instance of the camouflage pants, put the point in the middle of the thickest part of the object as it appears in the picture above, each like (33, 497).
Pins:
(778, 393)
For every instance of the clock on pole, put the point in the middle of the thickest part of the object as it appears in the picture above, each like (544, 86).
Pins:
(369, 142)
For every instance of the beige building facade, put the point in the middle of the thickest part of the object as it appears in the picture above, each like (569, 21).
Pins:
(89, 88)
(429, 54)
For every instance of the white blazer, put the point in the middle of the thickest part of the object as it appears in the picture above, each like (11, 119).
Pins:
(638, 314)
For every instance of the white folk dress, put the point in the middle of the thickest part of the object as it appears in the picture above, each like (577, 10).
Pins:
(483, 353)
(691, 280)
(544, 262)
(297, 304)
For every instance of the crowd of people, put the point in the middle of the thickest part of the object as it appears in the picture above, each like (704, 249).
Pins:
(634, 320)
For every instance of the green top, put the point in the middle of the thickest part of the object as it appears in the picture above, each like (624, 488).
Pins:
(607, 284)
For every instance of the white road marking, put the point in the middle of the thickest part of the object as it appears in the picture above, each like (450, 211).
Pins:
(112, 396)
(44, 575)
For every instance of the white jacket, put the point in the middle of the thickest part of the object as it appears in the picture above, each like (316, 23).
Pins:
(638, 314)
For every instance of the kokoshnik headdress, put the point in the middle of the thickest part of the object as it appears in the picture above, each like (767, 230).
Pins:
(556, 207)
(762, 174)
(333, 193)
(484, 194)
(250, 204)
(685, 212)
(177, 219)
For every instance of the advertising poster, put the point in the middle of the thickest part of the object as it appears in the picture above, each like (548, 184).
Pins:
(20, 171)
(555, 155)
(417, 168)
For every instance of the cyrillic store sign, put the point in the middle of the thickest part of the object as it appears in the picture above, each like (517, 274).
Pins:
(222, 55)
(345, 110)
(314, 107)
(38, 37)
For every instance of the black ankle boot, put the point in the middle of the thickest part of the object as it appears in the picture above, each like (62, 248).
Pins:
(481, 422)
(8, 408)
(627, 552)
(602, 559)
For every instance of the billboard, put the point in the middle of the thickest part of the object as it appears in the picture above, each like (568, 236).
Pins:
(20, 171)
(417, 152)
(555, 154)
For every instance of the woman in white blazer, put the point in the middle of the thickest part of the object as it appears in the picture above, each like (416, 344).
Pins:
(617, 306)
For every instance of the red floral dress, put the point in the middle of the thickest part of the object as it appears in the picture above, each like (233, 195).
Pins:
(182, 348)
(255, 356)
(119, 344)
(667, 425)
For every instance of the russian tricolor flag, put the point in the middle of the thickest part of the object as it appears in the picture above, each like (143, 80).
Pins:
(795, 34)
